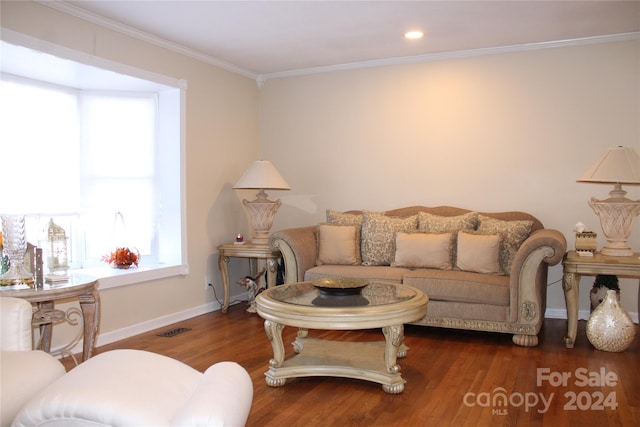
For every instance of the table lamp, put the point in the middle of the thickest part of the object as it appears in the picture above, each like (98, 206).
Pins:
(617, 166)
(261, 175)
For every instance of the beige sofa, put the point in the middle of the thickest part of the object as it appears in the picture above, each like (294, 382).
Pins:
(481, 271)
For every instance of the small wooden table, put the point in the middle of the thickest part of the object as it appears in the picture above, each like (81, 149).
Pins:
(85, 288)
(574, 266)
(380, 305)
(260, 253)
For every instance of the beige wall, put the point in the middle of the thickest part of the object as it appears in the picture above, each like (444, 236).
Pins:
(493, 133)
(501, 132)
(221, 141)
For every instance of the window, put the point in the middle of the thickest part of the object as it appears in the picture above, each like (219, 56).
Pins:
(96, 156)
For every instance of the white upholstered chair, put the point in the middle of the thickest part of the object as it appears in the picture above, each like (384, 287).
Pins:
(23, 371)
(115, 388)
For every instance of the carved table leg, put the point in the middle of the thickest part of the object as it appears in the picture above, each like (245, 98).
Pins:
(272, 272)
(570, 284)
(90, 306)
(274, 334)
(298, 343)
(394, 337)
(223, 266)
(46, 329)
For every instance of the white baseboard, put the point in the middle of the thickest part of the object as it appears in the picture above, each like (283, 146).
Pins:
(561, 313)
(159, 322)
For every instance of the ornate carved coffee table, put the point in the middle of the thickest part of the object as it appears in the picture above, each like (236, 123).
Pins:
(378, 305)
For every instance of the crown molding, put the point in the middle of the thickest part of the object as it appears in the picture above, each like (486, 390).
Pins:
(72, 10)
(262, 78)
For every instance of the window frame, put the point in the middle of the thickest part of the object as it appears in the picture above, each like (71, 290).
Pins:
(169, 89)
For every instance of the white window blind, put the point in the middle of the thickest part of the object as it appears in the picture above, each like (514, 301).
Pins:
(118, 171)
(39, 149)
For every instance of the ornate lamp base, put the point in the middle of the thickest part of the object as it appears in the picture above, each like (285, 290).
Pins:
(617, 215)
(262, 211)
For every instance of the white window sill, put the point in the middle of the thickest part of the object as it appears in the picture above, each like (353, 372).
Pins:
(109, 277)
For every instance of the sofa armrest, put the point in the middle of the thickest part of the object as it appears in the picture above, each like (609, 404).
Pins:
(299, 250)
(24, 375)
(552, 239)
(15, 324)
(529, 275)
(222, 398)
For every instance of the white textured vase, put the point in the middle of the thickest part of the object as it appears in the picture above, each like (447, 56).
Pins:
(610, 327)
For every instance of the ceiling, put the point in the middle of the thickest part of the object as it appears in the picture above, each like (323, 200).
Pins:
(271, 38)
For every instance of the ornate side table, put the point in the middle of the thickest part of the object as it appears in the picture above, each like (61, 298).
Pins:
(259, 253)
(85, 288)
(574, 266)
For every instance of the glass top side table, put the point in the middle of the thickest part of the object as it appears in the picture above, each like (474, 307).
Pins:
(83, 287)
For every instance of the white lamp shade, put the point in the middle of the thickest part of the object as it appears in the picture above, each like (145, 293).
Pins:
(261, 174)
(618, 165)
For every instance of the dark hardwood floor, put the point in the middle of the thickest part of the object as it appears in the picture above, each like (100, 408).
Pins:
(454, 378)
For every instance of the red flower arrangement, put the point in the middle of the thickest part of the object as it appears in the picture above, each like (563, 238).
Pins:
(122, 258)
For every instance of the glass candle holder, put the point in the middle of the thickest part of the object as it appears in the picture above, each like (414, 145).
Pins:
(14, 246)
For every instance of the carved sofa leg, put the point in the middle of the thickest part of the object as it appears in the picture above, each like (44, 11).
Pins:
(525, 340)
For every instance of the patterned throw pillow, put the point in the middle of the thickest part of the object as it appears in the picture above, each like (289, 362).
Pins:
(430, 223)
(479, 253)
(513, 234)
(423, 250)
(338, 244)
(341, 218)
(377, 244)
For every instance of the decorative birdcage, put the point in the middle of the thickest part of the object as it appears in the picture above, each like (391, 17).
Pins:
(57, 255)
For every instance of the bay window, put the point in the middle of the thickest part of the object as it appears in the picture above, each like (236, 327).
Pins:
(104, 161)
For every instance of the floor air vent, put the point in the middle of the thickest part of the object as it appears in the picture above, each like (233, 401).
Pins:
(173, 332)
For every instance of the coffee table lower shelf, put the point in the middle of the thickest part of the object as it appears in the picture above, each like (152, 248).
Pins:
(358, 360)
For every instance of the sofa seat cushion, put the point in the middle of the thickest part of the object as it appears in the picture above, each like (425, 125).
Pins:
(460, 286)
(381, 273)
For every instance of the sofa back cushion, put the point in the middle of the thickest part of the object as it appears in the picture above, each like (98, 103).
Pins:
(377, 244)
(454, 211)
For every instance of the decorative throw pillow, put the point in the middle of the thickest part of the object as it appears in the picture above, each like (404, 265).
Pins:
(377, 238)
(423, 250)
(513, 234)
(478, 252)
(430, 223)
(338, 244)
(341, 218)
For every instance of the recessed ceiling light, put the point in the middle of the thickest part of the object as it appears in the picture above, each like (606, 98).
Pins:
(413, 35)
